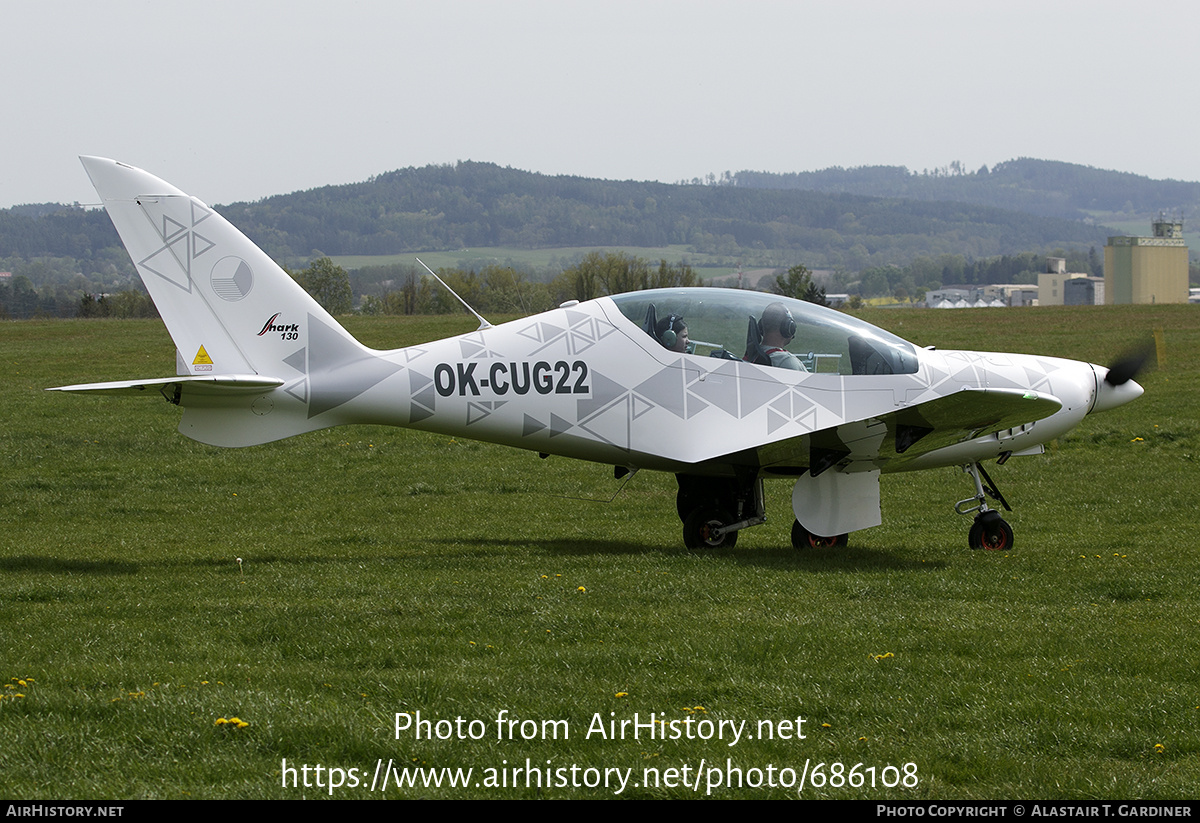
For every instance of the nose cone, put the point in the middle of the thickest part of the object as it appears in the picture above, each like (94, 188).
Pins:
(1108, 395)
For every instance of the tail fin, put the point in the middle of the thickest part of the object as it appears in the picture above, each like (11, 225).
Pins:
(233, 314)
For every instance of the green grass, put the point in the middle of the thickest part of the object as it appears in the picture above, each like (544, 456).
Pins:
(388, 571)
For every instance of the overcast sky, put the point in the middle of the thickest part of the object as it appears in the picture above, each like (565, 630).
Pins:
(241, 100)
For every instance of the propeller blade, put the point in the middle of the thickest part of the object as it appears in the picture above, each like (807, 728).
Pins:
(1127, 367)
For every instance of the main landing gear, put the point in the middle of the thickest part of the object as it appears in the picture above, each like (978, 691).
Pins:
(802, 538)
(989, 531)
(715, 509)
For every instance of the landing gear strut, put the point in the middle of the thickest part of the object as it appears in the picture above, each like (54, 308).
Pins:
(989, 531)
(715, 509)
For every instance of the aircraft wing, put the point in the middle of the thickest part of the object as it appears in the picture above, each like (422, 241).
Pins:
(892, 440)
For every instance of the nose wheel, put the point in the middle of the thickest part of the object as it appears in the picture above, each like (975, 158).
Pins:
(990, 532)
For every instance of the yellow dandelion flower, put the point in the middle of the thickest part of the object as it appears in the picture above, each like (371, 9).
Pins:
(622, 694)
(220, 721)
(581, 589)
(1160, 748)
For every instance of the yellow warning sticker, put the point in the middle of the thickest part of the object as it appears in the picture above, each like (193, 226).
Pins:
(202, 361)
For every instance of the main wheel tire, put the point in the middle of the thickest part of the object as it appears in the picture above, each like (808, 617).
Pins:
(802, 538)
(991, 532)
(699, 526)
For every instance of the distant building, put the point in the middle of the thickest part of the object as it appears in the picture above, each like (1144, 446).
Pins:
(1012, 294)
(963, 297)
(1148, 269)
(1052, 284)
(1084, 291)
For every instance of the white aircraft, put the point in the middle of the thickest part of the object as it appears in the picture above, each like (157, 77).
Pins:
(259, 360)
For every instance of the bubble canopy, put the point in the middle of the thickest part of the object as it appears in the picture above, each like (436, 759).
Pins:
(724, 322)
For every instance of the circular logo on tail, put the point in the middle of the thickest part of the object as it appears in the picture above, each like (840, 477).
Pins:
(232, 278)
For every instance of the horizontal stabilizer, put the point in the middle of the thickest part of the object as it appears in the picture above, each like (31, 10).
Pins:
(214, 384)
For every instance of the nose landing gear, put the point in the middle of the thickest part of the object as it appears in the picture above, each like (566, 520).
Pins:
(989, 531)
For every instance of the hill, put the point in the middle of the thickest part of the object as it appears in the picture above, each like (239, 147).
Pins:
(482, 204)
(1041, 187)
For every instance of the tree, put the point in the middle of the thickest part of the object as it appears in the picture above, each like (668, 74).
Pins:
(329, 284)
(798, 283)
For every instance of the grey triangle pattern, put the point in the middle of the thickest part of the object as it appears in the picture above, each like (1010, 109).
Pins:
(783, 405)
(604, 391)
(559, 425)
(171, 228)
(831, 401)
(638, 407)
(163, 263)
(298, 360)
(298, 390)
(530, 425)
(612, 424)
(1036, 379)
(694, 406)
(755, 393)
(476, 412)
(200, 245)
(776, 421)
(665, 389)
(418, 381)
(719, 390)
(339, 369)
(200, 209)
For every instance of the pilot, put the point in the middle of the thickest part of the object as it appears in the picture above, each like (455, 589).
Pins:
(778, 328)
(672, 332)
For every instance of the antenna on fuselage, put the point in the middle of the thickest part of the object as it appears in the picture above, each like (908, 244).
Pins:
(483, 323)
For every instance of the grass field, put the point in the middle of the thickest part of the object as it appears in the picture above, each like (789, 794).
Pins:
(384, 571)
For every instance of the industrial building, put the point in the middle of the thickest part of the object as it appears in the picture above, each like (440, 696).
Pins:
(1148, 269)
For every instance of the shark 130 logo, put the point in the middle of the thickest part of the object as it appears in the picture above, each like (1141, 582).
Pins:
(286, 331)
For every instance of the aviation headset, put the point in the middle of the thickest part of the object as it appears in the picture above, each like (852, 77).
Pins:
(787, 324)
(668, 336)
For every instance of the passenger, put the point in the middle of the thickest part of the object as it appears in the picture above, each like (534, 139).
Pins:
(778, 329)
(672, 332)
